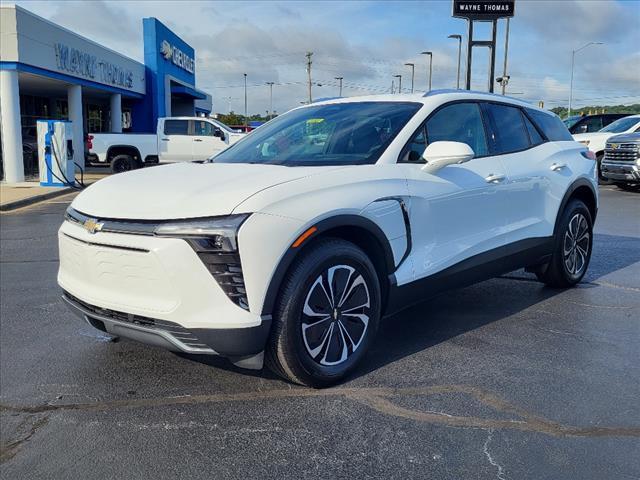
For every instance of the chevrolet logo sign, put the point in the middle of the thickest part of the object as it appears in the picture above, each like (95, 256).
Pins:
(92, 225)
(614, 146)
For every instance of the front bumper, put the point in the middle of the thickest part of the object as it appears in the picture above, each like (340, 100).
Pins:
(620, 171)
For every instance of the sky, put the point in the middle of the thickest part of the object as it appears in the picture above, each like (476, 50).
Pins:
(368, 42)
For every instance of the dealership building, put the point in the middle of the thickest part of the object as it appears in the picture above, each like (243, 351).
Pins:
(49, 72)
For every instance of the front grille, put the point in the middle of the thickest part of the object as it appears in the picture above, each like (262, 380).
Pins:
(227, 270)
(180, 333)
(624, 152)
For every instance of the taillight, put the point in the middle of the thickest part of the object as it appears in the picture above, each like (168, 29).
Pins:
(89, 142)
(588, 154)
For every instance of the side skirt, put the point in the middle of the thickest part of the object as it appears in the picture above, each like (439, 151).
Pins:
(486, 265)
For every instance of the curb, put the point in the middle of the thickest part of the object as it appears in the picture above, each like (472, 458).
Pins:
(7, 207)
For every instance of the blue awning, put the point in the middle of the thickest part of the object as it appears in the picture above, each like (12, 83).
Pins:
(184, 91)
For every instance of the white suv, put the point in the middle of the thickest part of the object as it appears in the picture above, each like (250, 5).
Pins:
(293, 243)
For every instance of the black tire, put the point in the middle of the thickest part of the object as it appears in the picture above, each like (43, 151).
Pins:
(629, 187)
(572, 248)
(122, 163)
(296, 336)
(602, 180)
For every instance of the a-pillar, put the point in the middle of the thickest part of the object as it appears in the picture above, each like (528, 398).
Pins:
(74, 101)
(11, 127)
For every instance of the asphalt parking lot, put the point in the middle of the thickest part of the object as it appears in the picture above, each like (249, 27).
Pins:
(506, 379)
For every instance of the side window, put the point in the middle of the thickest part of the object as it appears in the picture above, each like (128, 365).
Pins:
(203, 128)
(593, 124)
(534, 134)
(550, 125)
(459, 122)
(415, 148)
(510, 131)
(176, 127)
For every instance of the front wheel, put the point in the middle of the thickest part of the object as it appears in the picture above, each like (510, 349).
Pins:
(572, 248)
(327, 314)
(602, 180)
(629, 187)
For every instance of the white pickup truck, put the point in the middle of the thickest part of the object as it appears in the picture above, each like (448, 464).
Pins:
(177, 139)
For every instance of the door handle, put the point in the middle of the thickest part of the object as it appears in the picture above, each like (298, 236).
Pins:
(557, 167)
(164, 139)
(494, 178)
(197, 139)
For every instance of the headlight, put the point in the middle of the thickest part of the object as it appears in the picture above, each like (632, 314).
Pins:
(217, 234)
(215, 242)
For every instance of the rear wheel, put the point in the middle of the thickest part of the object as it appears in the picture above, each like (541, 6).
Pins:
(327, 315)
(572, 248)
(122, 163)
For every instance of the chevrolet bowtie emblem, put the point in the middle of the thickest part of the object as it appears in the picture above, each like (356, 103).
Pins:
(92, 225)
(615, 146)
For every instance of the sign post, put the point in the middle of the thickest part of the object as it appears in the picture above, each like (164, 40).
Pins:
(482, 11)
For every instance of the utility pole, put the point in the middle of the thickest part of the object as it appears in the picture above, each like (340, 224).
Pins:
(229, 99)
(399, 77)
(270, 99)
(573, 59)
(430, 66)
(459, 38)
(505, 77)
(308, 55)
(246, 121)
(393, 87)
(413, 72)
(340, 80)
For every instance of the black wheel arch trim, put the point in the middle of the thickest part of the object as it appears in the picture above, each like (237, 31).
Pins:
(579, 183)
(343, 220)
(111, 155)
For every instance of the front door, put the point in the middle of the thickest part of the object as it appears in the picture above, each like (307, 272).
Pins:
(207, 140)
(461, 210)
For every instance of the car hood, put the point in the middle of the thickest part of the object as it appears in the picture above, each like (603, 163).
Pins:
(625, 137)
(592, 136)
(187, 190)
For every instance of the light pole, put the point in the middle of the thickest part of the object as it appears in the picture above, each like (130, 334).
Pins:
(430, 65)
(340, 80)
(399, 77)
(270, 98)
(413, 71)
(245, 101)
(573, 59)
(309, 62)
(459, 38)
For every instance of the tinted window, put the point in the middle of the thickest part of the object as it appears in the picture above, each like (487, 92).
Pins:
(592, 124)
(350, 133)
(534, 135)
(176, 127)
(550, 125)
(510, 131)
(460, 122)
(203, 128)
(415, 148)
(621, 125)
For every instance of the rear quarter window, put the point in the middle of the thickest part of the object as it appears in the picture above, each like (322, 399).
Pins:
(550, 125)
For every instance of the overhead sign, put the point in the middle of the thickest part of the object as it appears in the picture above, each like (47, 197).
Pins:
(83, 64)
(177, 56)
(483, 9)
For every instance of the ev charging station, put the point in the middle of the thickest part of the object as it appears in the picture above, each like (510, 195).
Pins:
(55, 153)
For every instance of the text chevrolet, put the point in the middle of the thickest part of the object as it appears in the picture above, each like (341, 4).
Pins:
(290, 245)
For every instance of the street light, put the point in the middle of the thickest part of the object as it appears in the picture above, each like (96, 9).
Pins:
(459, 38)
(399, 77)
(430, 65)
(270, 98)
(413, 71)
(340, 80)
(573, 58)
(245, 101)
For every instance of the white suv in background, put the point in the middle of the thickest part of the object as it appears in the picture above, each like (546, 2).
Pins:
(293, 243)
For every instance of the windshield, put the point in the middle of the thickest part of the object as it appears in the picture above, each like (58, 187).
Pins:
(335, 134)
(571, 121)
(621, 125)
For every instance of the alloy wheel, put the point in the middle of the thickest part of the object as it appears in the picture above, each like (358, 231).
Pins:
(335, 315)
(577, 240)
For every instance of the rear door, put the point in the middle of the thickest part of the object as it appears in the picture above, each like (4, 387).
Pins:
(175, 143)
(208, 140)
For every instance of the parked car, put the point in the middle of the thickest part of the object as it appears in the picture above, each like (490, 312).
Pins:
(596, 141)
(591, 123)
(177, 139)
(621, 162)
(289, 250)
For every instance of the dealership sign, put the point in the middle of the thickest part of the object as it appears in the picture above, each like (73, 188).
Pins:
(483, 9)
(176, 56)
(83, 64)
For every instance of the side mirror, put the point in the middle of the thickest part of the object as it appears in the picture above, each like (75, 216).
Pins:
(218, 133)
(440, 154)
